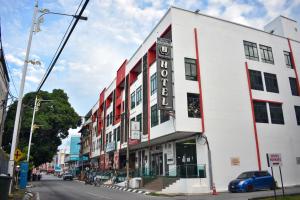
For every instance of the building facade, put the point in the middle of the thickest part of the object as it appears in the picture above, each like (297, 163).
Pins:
(4, 88)
(203, 99)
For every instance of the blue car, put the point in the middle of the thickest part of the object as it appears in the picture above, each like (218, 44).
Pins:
(251, 181)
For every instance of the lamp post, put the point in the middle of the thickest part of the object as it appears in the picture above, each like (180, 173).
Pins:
(36, 106)
(34, 28)
(19, 105)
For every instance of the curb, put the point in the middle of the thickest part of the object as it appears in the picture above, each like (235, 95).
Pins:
(126, 189)
(121, 188)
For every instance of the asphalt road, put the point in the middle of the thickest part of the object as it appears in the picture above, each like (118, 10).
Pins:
(53, 188)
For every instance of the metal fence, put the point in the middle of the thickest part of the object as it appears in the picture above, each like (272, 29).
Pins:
(3, 162)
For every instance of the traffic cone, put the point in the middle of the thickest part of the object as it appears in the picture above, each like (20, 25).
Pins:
(214, 191)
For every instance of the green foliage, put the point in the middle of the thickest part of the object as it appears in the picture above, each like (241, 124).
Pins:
(54, 118)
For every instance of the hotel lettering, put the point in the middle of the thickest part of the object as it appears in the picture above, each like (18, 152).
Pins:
(164, 74)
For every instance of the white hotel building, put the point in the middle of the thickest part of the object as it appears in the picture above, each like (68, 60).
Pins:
(235, 86)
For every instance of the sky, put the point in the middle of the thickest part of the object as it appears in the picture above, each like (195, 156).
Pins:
(112, 33)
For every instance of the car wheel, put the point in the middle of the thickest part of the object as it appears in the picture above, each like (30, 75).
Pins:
(249, 188)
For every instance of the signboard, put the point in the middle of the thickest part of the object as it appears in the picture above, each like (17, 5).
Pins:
(135, 131)
(110, 146)
(235, 161)
(274, 159)
(164, 74)
(18, 155)
(170, 153)
(116, 160)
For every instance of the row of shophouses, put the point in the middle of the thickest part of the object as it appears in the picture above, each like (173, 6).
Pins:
(202, 99)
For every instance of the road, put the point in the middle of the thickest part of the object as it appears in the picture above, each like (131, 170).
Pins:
(53, 188)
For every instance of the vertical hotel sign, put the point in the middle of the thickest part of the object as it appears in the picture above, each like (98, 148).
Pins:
(164, 74)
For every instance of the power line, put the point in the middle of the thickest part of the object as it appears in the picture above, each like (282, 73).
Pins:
(63, 45)
(59, 46)
(13, 82)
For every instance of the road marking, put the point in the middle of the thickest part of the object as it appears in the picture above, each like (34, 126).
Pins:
(96, 195)
(37, 196)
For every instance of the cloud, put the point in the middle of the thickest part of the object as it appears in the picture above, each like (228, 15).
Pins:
(14, 60)
(112, 33)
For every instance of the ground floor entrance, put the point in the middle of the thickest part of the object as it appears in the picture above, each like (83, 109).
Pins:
(186, 159)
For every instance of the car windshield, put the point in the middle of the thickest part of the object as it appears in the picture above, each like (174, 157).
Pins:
(246, 175)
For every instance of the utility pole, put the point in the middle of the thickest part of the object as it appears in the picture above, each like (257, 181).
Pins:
(31, 128)
(18, 112)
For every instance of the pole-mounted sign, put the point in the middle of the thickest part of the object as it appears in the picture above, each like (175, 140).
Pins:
(274, 159)
(164, 74)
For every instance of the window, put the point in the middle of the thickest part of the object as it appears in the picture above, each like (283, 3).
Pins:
(271, 83)
(193, 105)
(256, 80)
(287, 58)
(251, 50)
(297, 111)
(118, 133)
(107, 120)
(266, 54)
(293, 84)
(276, 113)
(132, 99)
(139, 95)
(139, 119)
(260, 112)
(164, 116)
(153, 83)
(154, 115)
(114, 135)
(190, 69)
(111, 118)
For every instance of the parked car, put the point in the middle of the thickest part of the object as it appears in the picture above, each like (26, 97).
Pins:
(251, 181)
(68, 176)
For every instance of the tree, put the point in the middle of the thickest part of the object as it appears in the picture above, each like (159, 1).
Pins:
(54, 118)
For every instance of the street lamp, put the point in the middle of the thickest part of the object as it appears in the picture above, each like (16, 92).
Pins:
(46, 11)
(19, 105)
(34, 28)
(37, 103)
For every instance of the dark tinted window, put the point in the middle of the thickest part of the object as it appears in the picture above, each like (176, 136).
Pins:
(256, 80)
(193, 105)
(154, 115)
(164, 116)
(153, 83)
(139, 119)
(190, 69)
(293, 84)
(139, 95)
(297, 112)
(271, 83)
(288, 60)
(246, 175)
(260, 111)
(251, 50)
(266, 54)
(132, 99)
(276, 113)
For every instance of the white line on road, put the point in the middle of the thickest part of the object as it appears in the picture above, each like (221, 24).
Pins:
(37, 196)
(96, 195)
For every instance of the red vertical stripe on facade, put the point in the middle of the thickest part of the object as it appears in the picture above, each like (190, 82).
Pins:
(253, 118)
(129, 106)
(148, 95)
(294, 66)
(199, 79)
